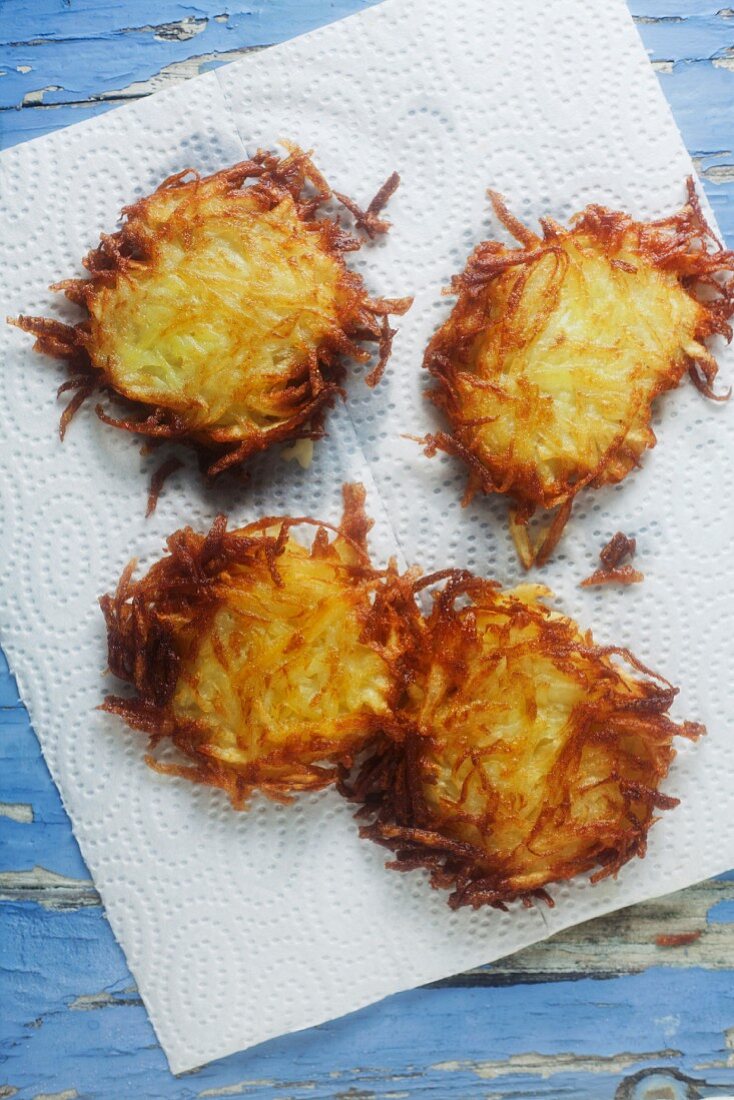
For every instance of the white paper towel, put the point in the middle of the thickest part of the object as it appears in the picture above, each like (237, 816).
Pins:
(239, 927)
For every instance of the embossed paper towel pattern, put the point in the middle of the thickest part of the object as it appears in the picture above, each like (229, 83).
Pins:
(239, 927)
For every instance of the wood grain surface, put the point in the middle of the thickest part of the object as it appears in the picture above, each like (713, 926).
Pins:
(635, 1006)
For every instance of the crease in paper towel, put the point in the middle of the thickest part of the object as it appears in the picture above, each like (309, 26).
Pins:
(239, 927)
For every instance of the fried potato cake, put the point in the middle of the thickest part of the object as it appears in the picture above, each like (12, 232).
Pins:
(528, 755)
(490, 741)
(613, 569)
(549, 364)
(223, 311)
(263, 660)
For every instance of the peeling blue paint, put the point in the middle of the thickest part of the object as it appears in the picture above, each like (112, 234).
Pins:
(722, 912)
(704, 35)
(8, 687)
(424, 1043)
(48, 960)
(90, 49)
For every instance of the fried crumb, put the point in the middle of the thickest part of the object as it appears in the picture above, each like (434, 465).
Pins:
(611, 556)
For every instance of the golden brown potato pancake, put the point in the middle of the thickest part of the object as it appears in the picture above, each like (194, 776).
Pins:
(490, 741)
(529, 754)
(549, 364)
(223, 311)
(263, 660)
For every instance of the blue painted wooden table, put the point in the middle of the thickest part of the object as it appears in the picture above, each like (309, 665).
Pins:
(600, 1011)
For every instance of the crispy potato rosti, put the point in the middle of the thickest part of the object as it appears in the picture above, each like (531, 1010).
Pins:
(263, 660)
(225, 313)
(491, 741)
(550, 361)
(529, 754)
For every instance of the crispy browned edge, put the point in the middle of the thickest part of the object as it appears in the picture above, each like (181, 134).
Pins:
(141, 649)
(387, 782)
(317, 385)
(682, 242)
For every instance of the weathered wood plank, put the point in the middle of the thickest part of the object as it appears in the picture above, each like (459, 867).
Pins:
(124, 56)
(625, 942)
(621, 943)
(540, 1024)
(46, 840)
(92, 48)
(577, 1039)
(47, 889)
